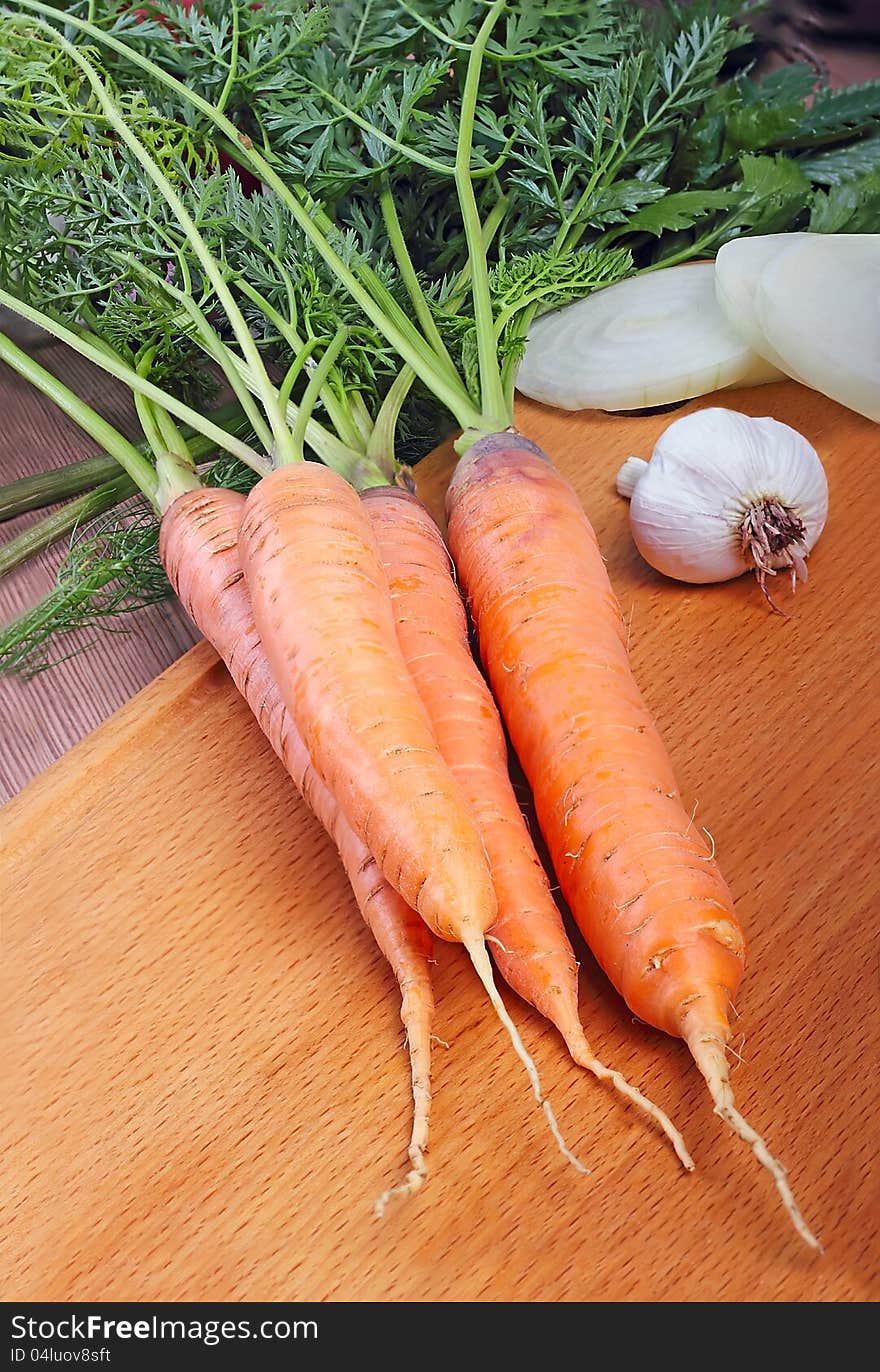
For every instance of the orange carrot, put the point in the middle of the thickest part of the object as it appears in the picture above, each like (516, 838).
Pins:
(199, 549)
(528, 939)
(323, 610)
(639, 879)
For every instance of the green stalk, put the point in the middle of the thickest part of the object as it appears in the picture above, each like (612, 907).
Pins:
(226, 360)
(511, 362)
(125, 453)
(697, 248)
(410, 278)
(53, 527)
(144, 409)
(233, 61)
(527, 303)
(418, 354)
(492, 396)
(361, 417)
(313, 389)
(381, 444)
(266, 390)
(493, 222)
(360, 31)
(175, 468)
(340, 413)
(114, 366)
(212, 344)
(294, 371)
(59, 483)
(174, 440)
(396, 320)
(105, 495)
(328, 447)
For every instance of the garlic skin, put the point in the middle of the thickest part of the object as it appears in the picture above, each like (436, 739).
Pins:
(724, 494)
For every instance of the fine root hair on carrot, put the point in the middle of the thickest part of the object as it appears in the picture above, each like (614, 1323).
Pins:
(584, 1057)
(709, 1053)
(476, 950)
(737, 1054)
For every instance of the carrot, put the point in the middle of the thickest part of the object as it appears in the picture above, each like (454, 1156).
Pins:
(199, 549)
(528, 939)
(641, 884)
(323, 610)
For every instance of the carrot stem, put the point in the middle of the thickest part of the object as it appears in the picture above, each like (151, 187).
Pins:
(175, 468)
(126, 454)
(115, 366)
(339, 409)
(212, 344)
(492, 399)
(58, 483)
(312, 392)
(381, 442)
(410, 279)
(55, 526)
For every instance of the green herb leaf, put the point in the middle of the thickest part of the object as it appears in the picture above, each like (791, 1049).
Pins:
(852, 207)
(844, 108)
(773, 191)
(680, 210)
(755, 127)
(836, 165)
(111, 569)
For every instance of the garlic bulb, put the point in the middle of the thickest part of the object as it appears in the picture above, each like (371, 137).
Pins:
(724, 494)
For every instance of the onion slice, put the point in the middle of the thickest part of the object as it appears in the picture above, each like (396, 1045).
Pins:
(650, 340)
(818, 306)
(738, 269)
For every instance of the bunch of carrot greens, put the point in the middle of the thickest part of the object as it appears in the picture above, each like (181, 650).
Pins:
(350, 214)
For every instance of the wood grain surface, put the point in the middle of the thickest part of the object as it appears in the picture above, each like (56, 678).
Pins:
(40, 719)
(204, 1066)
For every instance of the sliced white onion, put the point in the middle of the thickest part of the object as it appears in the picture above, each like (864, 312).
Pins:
(650, 340)
(738, 269)
(818, 306)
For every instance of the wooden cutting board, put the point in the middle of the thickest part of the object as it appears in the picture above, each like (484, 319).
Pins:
(204, 1064)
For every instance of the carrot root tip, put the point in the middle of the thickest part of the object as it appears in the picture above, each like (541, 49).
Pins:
(560, 1141)
(479, 956)
(582, 1055)
(411, 1183)
(709, 1053)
